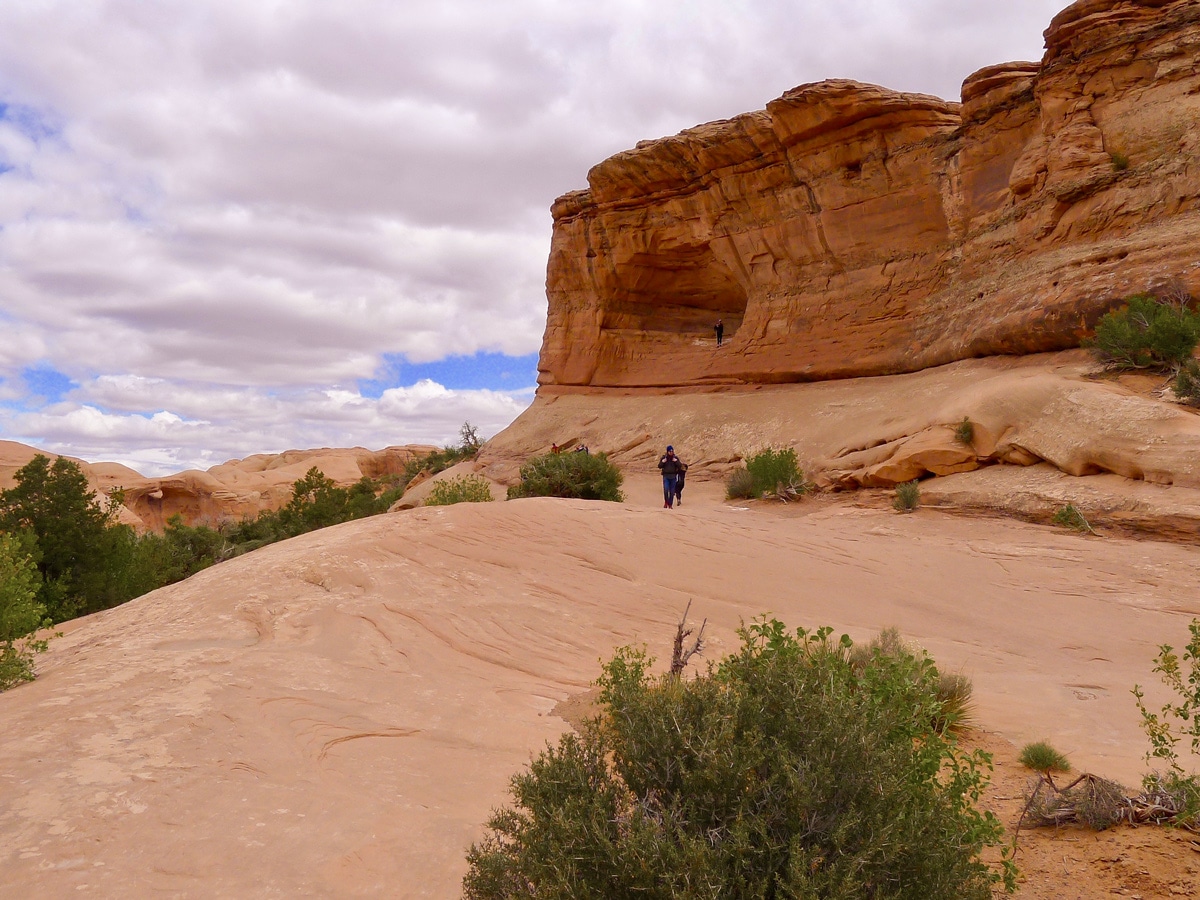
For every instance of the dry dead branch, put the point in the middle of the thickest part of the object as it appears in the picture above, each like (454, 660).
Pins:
(680, 655)
(1096, 802)
(1174, 291)
(786, 492)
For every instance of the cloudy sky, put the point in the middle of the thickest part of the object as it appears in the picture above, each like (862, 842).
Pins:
(240, 226)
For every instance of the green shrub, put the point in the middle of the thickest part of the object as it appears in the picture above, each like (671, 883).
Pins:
(463, 489)
(1069, 516)
(1146, 334)
(1177, 794)
(954, 692)
(86, 561)
(318, 502)
(768, 472)
(73, 539)
(1120, 162)
(581, 476)
(1179, 718)
(954, 689)
(20, 613)
(908, 496)
(1187, 383)
(468, 447)
(1041, 757)
(782, 772)
(740, 485)
(964, 432)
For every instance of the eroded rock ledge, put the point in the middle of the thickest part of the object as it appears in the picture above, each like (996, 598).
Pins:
(851, 230)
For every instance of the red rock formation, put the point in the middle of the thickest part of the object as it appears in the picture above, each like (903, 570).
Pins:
(240, 488)
(243, 488)
(851, 230)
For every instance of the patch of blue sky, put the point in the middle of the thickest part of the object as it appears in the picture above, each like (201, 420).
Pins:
(30, 122)
(132, 214)
(46, 382)
(482, 371)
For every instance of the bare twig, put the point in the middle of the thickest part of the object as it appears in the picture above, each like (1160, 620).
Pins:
(679, 655)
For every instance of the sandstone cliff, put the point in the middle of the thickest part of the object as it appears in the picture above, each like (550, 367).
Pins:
(852, 230)
(911, 261)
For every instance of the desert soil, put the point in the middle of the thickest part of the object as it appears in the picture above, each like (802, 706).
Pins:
(336, 715)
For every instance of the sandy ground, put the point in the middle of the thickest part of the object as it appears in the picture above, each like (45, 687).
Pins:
(336, 715)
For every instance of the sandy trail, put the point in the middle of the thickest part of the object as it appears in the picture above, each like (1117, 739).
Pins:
(337, 714)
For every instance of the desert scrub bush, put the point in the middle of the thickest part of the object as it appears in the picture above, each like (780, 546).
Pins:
(908, 496)
(463, 489)
(1146, 333)
(1041, 757)
(768, 472)
(20, 613)
(430, 464)
(1177, 719)
(781, 772)
(740, 485)
(964, 432)
(1187, 383)
(1069, 516)
(953, 689)
(956, 711)
(1120, 162)
(582, 476)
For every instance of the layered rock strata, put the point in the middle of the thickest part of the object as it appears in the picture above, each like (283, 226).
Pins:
(879, 432)
(851, 230)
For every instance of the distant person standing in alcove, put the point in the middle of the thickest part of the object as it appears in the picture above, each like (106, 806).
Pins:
(719, 328)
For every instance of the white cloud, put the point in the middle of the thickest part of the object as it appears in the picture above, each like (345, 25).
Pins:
(224, 210)
(220, 427)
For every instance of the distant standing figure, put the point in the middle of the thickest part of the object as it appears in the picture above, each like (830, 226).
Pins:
(719, 328)
(554, 448)
(670, 465)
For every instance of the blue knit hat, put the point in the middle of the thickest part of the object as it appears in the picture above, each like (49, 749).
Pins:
(670, 449)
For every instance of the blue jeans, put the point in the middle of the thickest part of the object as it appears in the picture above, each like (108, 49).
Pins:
(669, 489)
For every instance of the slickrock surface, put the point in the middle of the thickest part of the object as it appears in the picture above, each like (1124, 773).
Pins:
(1043, 426)
(852, 230)
(336, 715)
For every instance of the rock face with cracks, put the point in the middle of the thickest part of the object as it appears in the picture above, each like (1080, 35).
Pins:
(851, 230)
